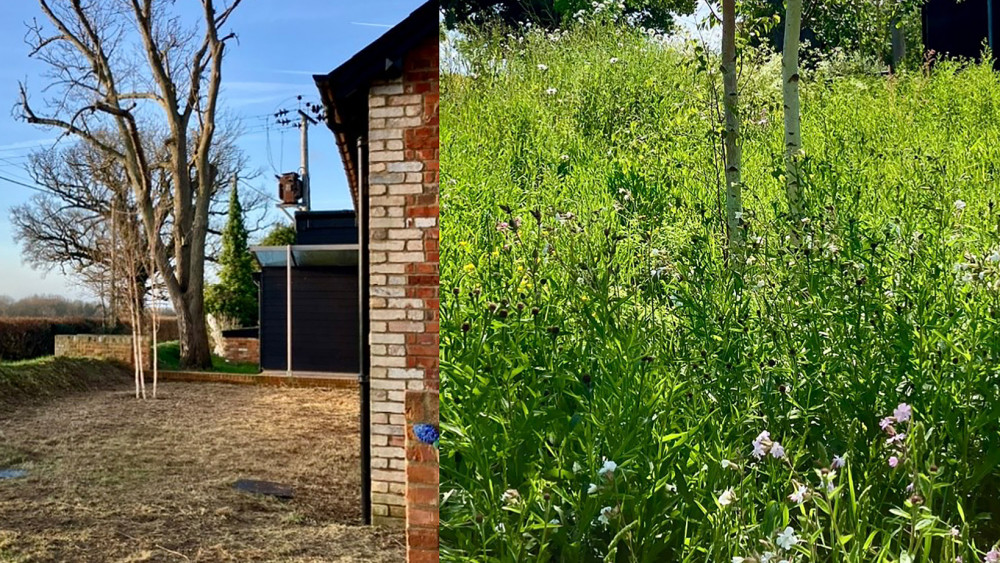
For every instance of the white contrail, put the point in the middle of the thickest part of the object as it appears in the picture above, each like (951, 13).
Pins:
(371, 24)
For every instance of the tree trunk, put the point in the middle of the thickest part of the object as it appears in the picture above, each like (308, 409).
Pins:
(195, 352)
(790, 95)
(734, 197)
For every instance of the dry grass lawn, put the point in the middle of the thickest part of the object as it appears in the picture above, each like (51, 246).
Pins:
(115, 479)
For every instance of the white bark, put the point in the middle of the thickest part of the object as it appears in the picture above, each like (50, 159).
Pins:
(790, 95)
(731, 134)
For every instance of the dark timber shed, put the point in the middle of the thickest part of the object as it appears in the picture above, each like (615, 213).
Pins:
(961, 28)
(321, 269)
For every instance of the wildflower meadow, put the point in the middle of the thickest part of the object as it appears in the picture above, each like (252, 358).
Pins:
(619, 387)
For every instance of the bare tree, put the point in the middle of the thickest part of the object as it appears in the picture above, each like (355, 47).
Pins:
(731, 133)
(68, 226)
(102, 79)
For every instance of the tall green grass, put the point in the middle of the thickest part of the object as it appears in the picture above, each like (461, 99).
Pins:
(590, 313)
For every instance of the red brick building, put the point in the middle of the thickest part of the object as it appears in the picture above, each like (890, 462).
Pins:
(382, 106)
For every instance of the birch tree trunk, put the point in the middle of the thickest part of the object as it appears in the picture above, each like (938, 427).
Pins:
(731, 134)
(790, 95)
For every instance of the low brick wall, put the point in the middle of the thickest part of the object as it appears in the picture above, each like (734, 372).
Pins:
(422, 478)
(113, 347)
(241, 350)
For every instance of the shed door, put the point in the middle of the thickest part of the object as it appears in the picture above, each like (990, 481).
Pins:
(324, 319)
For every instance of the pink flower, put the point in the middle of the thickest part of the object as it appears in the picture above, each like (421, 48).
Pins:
(993, 556)
(902, 412)
(893, 461)
(503, 226)
(885, 422)
(895, 439)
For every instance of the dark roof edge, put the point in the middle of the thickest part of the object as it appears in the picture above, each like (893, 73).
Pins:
(358, 72)
(380, 56)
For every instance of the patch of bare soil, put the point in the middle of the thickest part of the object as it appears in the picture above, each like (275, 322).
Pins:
(116, 479)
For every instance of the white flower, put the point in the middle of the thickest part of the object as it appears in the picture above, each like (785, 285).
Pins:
(608, 469)
(995, 257)
(766, 557)
(738, 559)
(787, 538)
(551, 91)
(758, 450)
(726, 464)
(738, 215)
(613, 60)
(799, 496)
(777, 451)
(577, 467)
(838, 462)
(592, 489)
(510, 496)
(543, 67)
(605, 516)
(727, 497)
(959, 205)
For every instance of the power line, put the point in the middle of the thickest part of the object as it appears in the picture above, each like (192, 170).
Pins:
(29, 186)
(258, 190)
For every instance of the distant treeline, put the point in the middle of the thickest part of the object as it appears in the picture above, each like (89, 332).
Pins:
(57, 307)
(49, 306)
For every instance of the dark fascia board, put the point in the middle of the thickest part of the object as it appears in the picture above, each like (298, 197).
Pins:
(343, 91)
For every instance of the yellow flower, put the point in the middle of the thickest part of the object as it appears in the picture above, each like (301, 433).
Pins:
(470, 268)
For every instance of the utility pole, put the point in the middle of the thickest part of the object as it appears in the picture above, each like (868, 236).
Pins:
(304, 128)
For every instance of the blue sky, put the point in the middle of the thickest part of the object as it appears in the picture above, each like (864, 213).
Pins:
(281, 45)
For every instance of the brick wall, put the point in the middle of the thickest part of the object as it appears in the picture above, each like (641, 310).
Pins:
(114, 347)
(403, 231)
(241, 350)
(422, 463)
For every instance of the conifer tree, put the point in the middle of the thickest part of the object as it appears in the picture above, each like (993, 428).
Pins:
(235, 296)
